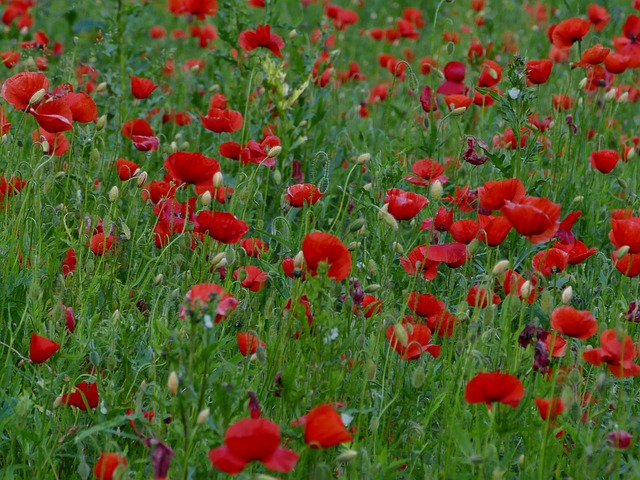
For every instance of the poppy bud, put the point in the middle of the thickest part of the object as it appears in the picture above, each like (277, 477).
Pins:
(357, 224)
(578, 199)
(217, 179)
(372, 370)
(298, 260)
(173, 147)
(473, 246)
(126, 231)
(346, 456)
(622, 251)
(101, 122)
(567, 397)
(157, 280)
(398, 248)
(293, 34)
(367, 186)
(102, 87)
(219, 260)
(45, 146)
(57, 402)
(623, 97)
(264, 476)
(203, 416)
(417, 378)
(363, 158)
(609, 95)
(261, 354)
(500, 267)
(525, 289)
(546, 302)
(583, 83)
(142, 179)
(184, 146)
(387, 218)
(456, 112)
(401, 334)
(521, 460)
(274, 151)
(372, 268)
(36, 97)
(173, 383)
(206, 198)
(436, 190)
(113, 194)
(567, 295)
(374, 287)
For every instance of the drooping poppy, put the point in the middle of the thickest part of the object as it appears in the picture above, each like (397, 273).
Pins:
(324, 427)
(107, 464)
(41, 348)
(19, 89)
(252, 439)
(574, 323)
(221, 226)
(404, 205)
(199, 296)
(533, 217)
(299, 194)
(320, 247)
(604, 160)
(617, 354)
(141, 88)
(494, 387)
(261, 37)
(85, 395)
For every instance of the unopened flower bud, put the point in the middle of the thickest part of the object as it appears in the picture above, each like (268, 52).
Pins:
(205, 198)
(114, 192)
(219, 261)
(473, 246)
(217, 179)
(363, 158)
(173, 147)
(456, 112)
(583, 83)
(622, 251)
(346, 456)
(372, 268)
(398, 248)
(298, 260)
(101, 87)
(203, 416)
(142, 179)
(36, 97)
(57, 402)
(357, 224)
(101, 122)
(567, 295)
(417, 378)
(372, 370)
(173, 383)
(353, 246)
(492, 73)
(293, 34)
(578, 199)
(500, 267)
(525, 289)
(45, 146)
(546, 302)
(157, 280)
(367, 186)
(374, 287)
(436, 190)
(387, 218)
(277, 176)
(623, 98)
(274, 151)
(400, 332)
(610, 95)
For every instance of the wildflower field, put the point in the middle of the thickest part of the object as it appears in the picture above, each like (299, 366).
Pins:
(314, 240)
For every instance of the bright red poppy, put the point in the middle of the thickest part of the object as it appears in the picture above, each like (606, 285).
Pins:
(298, 195)
(425, 305)
(598, 16)
(83, 108)
(19, 89)
(494, 387)
(533, 217)
(404, 205)
(191, 167)
(629, 44)
(251, 277)
(417, 341)
(41, 348)
(53, 116)
(101, 243)
(85, 395)
(481, 297)
(141, 134)
(320, 247)
(569, 31)
(626, 231)
(199, 296)
(107, 464)
(417, 262)
(249, 440)
(248, 343)
(324, 427)
(126, 168)
(550, 261)
(219, 121)
(56, 143)
(539, 71)
(465, 231)
(198, 8)
(141, 88)
(493, 229)
(425, 172)
(617, 354)
(69, 262)
(254, 247)
(604, 160)
(221, 226)
(495, 193)
(574, 323)
(261, 37)
(549, 409)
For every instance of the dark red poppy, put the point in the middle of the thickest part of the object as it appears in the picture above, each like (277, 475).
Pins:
(324, 427)
(85, 395)
(248, 343)
(221, 226)
(252, 439)
(570, 31)
(199, 296)
(620, 439)
(251, 277)
(604, 160)
(549, 409)
(425, 172)
(494, 387)
(53, 116)
(191, 167)
(533, 217)
(425, 305)
(219, 121)
(19, 89)
(574, 323)
(417, 340)
(298, 195)
(598, 16)
(69, 262)
(105, 467)
(142, 87)
(617, 354)
(404, 205)
(550, 261)
(261, 37)
(428, 100)
(320, 247)
(41, 348)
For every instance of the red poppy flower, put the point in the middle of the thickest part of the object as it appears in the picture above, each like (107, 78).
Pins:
(41, 348)
(342, 17)
(425, 172)
(370, 306)
(453, 102)
(425, 305)
(619, 439)
(221, 226)
(261, 37)
(454, 254)
(417, 341)
(101, 243)
(142, 87)
(428, 100)
(69, 262)
(219, 121)
(298, 195)
(592, 56)
(550, 261)
(191, 167)
(578, 252)
(533, 217)
(404, 205)
(574, 323)
(57, 143)
(539, 71)
(417, 261)
(197, 8)
(323, 247)
(252, 439)
(569, 31)
(141, 133)
(629, 45)
(85, 395)
(493, 229)
(248, 343)
(324, 427)
(598, 16)
(513, 282)
(616, 63)
(126, 168)
(53, 116)
(83, 108)
(19, 89)
(251, 277)
(107, 464)
(199, 296)
(480, 297)
(442, 324)
(549, 409)
(618, 355)
(604, 160)
(494, 387)
(254, 247)
(464, 231)
(490, 75)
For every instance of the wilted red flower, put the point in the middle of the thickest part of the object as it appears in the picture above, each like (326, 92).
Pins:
(428, 100)
(574, 323)
(218, 120)
(142, 87)
(221, 226)
(533, 217)
(619, 439)
(550, 261)
(199, 296)
(41, 348)
(261, 37)
(248, 343)
(617, 354)
(191, 167)
(19, 89)
(539, 71)
(83, 392)
(549, 409)
(107, 464)
(404, 205)
(323, 247)
(417, 341)
(324, 427)
(569, 31)
(251, 277)
(494, 387)
(252, 439)
(604, 160)
(101, 243)
(298, 195)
